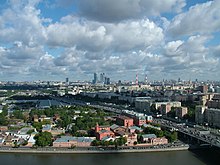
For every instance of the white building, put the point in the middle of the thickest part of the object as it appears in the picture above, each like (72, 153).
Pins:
(171, 103)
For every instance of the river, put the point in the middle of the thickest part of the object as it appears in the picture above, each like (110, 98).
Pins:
(201, 157)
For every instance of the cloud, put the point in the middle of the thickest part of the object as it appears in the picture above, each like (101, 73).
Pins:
(115, 37)
(114, 10)
(97, 37)
(20, 55)
(22, 22)
(172, 48)
(72, 31)
(191, 55)
(135, 35)
(216, 51)
(70, 57)
(199, 19)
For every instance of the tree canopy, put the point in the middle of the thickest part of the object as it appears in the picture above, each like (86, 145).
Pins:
(43, 139)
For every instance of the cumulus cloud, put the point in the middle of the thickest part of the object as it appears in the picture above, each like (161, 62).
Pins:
(172, 48)
(114, 10)
(119, 38)
(188, 56)
(75, 32)
(19, 54)
(216, 51)
(95, 37)
(201, 18)
(21, 22)
(135, 35)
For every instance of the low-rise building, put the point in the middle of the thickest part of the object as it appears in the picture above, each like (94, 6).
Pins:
(146, 137)
(124, 121)
(3, 128)
(46, 128)
(103, 131)
(152, 139)
(158, 141)
(35, 118)
(131, 139)
(70, 141)
(139, 120)
(135, 129)
(31, 141)
(149, 118)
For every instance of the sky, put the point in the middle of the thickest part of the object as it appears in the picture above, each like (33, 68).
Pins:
(163, 39)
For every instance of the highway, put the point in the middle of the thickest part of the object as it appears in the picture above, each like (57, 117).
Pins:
(82, 103)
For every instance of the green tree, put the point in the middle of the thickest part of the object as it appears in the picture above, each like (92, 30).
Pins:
(95, 143)
(30, 131)
(43, 139)
(158, 133)
(37, 125)
(5, 110)
(3, 120)
(120, 141)
(18, 114)
(171, 136)
(25, 143)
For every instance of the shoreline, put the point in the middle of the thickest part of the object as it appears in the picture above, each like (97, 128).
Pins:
(73, 151)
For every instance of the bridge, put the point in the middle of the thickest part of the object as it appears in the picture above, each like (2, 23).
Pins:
(194, 133)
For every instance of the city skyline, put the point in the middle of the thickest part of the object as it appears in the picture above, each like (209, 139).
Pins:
(55, 39)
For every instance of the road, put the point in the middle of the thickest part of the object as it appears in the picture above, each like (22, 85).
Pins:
(82, 103)
(140, 148)
(210, 138)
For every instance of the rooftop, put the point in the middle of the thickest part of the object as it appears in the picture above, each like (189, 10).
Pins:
(135, 127)
(72, 138)
(24, 130)
(124, 117)
(149, 136)
(46, 127)
(114, 126)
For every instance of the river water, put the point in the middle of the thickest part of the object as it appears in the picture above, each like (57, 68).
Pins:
(201, 157)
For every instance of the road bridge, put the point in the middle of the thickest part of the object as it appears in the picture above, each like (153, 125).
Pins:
(194, 133)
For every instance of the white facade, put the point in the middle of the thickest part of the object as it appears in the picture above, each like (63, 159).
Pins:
(172, 104)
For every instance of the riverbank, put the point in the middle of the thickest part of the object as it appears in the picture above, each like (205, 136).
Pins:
(101, 150)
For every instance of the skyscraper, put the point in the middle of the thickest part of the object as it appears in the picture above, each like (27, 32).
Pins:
(145, 79)
(102, 75)
(95, 79)
(107, 80)
(136, 79)
(67, 81)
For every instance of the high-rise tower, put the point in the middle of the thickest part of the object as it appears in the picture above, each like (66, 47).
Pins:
(145, 79)
(95, 79)
(136, 79)
(67, 81)
(102, 77)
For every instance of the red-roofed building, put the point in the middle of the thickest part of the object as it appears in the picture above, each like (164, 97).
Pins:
(124, 121)
(103, 131)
